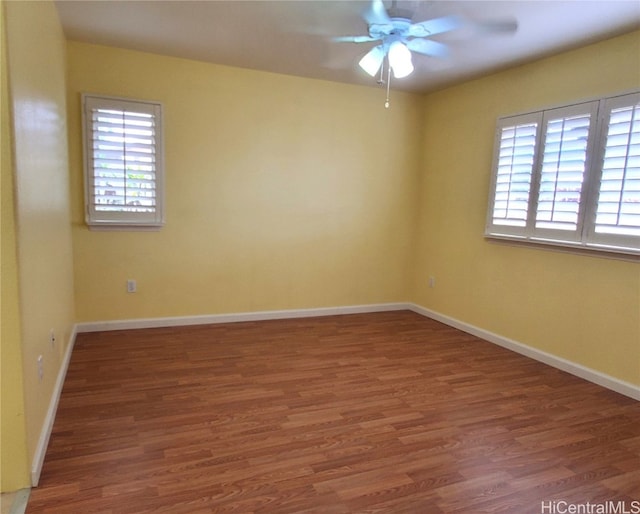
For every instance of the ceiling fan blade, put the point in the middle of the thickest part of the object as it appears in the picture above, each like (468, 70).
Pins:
(377, 14)
(355, 39)
(428, 47)
(435, 26)
(372, 61)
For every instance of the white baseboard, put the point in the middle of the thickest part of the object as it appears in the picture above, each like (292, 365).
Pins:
(100, 326)
(597, 377)
(620, 386)
(607, 381)
(19, 503)
(47, 427)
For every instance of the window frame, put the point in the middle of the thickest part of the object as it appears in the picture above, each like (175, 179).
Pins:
(584, 236)
(122, 220)
(512, 122)
(608, 239)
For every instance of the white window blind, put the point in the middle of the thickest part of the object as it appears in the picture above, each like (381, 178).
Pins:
(123, 162)
(569, 176)
(564, 160)
(517, 147)
(618, 207)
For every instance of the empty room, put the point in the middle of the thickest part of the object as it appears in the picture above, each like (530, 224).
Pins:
(320, 256)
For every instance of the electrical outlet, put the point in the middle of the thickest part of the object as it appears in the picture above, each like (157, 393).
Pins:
(40, 368)
(52, 337)
(432, 282)
(131, 286)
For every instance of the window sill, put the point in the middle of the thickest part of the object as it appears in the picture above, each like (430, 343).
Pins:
(590, 250)
(120, 227)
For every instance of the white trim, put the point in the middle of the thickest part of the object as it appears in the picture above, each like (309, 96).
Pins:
(602, 379)
(20, 500)
(47, 426)
(100, 326)
(597, 377)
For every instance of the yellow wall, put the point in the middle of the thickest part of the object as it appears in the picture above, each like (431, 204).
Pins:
(14, 468)
(285, 193)
(282, 192)
(36, 75)
(583, 308)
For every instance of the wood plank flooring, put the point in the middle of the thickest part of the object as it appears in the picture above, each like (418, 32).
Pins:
(368, 413)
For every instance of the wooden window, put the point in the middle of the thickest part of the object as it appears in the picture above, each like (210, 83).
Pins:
(569, 176)
(123, 162)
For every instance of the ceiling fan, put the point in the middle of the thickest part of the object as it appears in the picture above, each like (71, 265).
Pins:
(399, 37)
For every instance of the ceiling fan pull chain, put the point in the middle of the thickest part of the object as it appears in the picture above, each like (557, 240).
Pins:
(386, 103)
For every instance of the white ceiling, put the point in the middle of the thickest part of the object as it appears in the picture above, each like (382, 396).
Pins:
(295, 37)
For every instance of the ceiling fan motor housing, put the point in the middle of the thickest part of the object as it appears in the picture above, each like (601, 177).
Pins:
(398, 27)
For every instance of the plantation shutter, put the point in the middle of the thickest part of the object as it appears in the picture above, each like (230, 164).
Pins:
(569, 176)
(617, 218)
(123, 162)
(514, 164)
(563, 165)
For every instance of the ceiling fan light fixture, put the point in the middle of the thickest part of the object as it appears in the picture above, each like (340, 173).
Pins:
(372, 61)
(400, 60)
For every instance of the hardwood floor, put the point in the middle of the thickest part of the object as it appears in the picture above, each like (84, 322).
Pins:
(386, 412)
